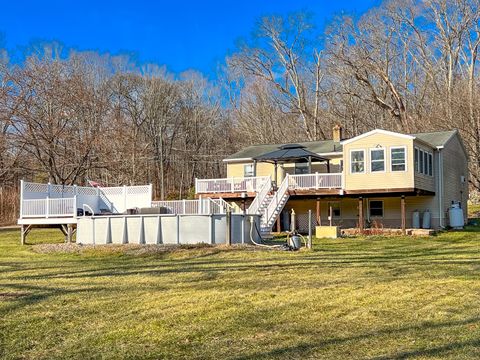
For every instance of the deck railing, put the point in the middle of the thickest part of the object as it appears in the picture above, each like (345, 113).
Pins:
(192, 207)
(50, 200)
(230, 185)
(45, 208)
(315, 181)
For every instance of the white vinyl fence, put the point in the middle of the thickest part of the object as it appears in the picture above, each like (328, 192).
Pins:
(49, 200)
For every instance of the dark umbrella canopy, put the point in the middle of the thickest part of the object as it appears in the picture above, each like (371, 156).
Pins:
(289, 153)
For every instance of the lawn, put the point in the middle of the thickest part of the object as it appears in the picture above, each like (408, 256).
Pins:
(361, 298)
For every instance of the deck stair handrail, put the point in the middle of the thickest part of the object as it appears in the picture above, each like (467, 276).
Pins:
(222, 204)
(254, 207)
(277, 202)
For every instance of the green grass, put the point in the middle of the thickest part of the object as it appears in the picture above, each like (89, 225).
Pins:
(359, 298)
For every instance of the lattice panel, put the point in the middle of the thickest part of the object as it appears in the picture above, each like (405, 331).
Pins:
(112, 191)
(86, 190)
(138, 190)
(35, 187)
(57, 189)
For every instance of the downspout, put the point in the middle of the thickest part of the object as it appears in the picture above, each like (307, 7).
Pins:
(440, 188)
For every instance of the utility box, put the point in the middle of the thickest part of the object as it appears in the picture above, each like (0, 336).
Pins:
(330, 232)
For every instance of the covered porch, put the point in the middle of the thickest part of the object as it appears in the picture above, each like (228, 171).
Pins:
(378, 212)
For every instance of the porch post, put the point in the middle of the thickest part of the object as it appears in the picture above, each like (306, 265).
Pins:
(309, 164)
(361, 220)
(254, 168)
(330, 214)
(404, 218)
(319, 219)
(328, 166)
(275, 174)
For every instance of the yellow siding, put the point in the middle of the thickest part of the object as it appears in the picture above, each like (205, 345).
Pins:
(267, 169)
(379, 180)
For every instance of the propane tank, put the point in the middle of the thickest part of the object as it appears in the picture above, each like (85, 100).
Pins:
(416, 219)
(426, 219)
(455, 214)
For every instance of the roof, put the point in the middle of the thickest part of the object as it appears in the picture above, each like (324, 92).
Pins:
(289, 152)
(317, 147)
(324, 147)
(437, 138)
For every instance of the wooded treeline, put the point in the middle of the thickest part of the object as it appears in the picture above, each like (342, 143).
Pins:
(406, 66)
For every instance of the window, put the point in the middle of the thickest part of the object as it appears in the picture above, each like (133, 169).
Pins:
(425, 163)
(420, 167)
(248, 170)
(398, 159)
(377, 160)
(376, 208)
(357, 161)
(301, 168)
(430, 164)
(417, 160)
(335, 209)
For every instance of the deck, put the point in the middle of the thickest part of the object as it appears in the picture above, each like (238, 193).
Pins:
(236, 188)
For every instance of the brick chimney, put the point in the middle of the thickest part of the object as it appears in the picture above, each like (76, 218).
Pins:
(337, 133)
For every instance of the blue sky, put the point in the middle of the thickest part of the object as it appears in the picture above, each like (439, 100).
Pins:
(179, 34)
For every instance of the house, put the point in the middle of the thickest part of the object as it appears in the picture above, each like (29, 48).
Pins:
(379, 177)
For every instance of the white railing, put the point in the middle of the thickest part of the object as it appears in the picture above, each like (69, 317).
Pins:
(276, 200)
(222, 205)
(315, 181)
(113, 199)
(44, 208)
(192, 207)
(230, 185)
(259, 199)
(178, 206)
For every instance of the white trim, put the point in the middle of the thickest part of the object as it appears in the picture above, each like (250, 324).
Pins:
(245, 172)
(384, 160)
(405, 159)
(364, 162)
(377, 131)
(237, 160)
(330, 153)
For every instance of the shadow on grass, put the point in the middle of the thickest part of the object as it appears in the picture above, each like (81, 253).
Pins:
(311, 348)
(30, 295)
